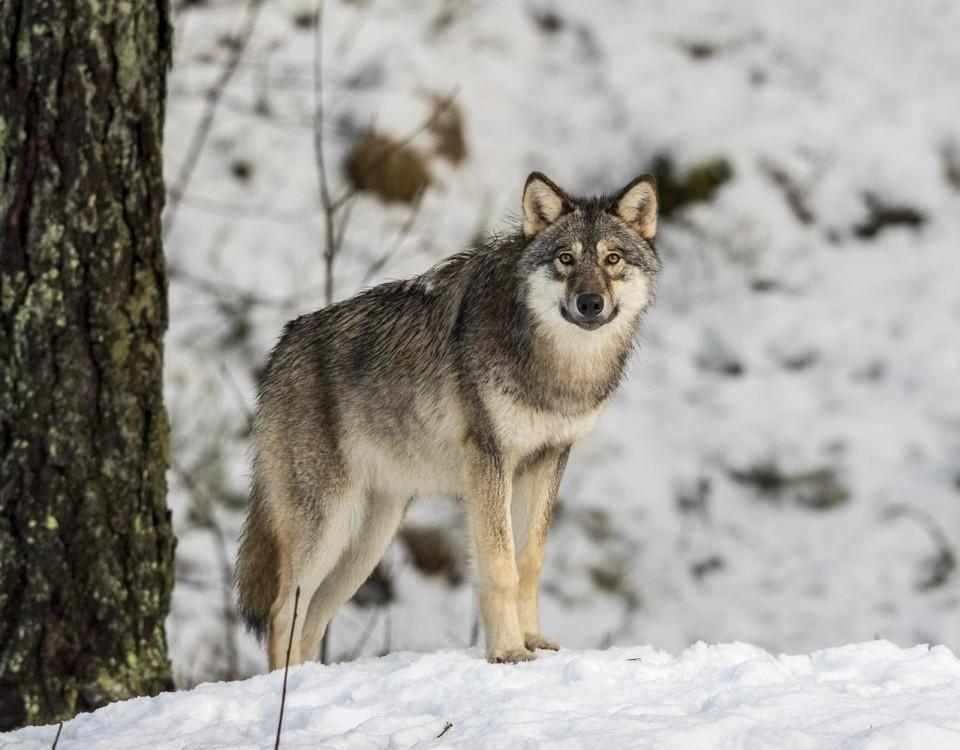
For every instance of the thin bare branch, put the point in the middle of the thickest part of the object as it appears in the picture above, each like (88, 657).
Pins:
(214, 95)
(330, 238)
(241, 106)
(249, 211)
(443, 104)
(335, 224)
(344, 223)
(391, 251)
(286, 667)
(236, 295)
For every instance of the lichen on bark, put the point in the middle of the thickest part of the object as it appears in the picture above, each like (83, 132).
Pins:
(85, 539)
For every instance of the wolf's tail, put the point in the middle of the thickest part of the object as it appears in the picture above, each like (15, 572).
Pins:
(257, 574)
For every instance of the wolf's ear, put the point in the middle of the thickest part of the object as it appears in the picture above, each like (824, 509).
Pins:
(543, 204)
(637, 206)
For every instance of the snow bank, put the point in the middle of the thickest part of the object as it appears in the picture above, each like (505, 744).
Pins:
(869, 695)
(778, 340)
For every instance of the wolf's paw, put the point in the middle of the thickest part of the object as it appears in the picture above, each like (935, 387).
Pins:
(533, 641)
(509, 655)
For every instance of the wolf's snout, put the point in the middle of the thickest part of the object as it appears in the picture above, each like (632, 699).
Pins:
(590, 305)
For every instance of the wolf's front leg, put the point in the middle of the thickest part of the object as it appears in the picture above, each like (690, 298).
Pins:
(534, 491)
(488, 510)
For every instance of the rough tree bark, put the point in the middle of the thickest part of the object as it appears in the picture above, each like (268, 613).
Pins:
(85, 539)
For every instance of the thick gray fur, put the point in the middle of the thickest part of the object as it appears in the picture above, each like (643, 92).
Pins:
(463, 380)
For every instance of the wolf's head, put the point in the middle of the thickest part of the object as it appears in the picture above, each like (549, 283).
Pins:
(590, 263)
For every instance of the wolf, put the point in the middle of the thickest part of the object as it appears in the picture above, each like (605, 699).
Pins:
(472, 380)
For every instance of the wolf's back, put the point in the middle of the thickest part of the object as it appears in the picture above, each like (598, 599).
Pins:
(361, 364)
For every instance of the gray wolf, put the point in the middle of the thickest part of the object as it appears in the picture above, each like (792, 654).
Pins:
(472, 380)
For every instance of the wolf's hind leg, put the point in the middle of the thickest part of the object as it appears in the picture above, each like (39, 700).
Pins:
(534, 491)
(319, 545)
(278, 626)
(380, 523)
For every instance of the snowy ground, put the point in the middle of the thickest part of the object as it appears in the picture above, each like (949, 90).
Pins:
(869, 696)
(783, 466)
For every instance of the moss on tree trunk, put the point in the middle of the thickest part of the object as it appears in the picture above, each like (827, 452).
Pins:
(85, 540)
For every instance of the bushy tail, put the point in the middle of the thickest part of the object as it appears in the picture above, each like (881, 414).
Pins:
(257, 573)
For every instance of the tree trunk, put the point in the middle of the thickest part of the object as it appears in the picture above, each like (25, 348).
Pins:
(86, 545)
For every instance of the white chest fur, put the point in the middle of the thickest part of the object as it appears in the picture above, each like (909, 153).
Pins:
(522, 428)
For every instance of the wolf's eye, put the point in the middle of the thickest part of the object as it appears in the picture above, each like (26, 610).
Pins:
(565, 258)
(612, 259)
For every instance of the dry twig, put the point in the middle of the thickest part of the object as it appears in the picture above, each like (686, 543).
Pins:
(286, 667)
(443, 104)
(243, 297)
(329, 214)
(404, 232)
(214, 96)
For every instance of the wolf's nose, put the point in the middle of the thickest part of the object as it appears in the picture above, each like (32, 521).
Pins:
(590, 305)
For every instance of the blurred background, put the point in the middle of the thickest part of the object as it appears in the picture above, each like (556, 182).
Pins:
(783, 464)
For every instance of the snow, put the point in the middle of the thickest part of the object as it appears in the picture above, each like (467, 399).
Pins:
(847, 348)
(776, 341)
(868, 696)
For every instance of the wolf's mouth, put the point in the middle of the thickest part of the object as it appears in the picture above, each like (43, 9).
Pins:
(587, 324)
